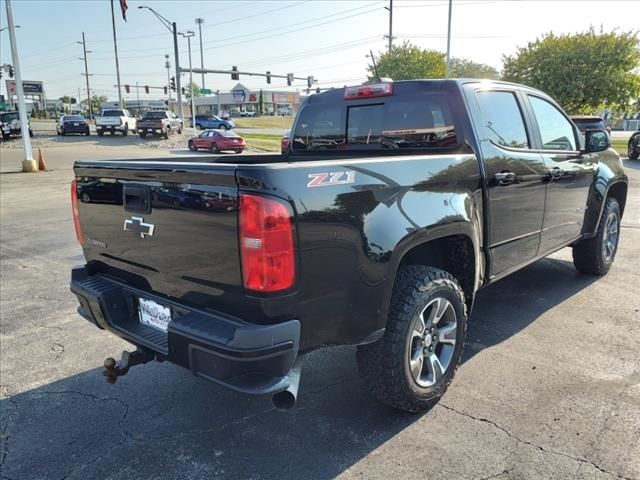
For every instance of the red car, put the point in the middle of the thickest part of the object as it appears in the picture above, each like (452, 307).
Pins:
(284, 143)
(217, 141)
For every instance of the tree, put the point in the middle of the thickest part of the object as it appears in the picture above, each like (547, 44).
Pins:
(194, 88)
(65, 99)
(408, 62)
(96, 103)
(584, 72)
(463, 68)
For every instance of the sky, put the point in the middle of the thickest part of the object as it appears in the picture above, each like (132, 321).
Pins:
(328, 39)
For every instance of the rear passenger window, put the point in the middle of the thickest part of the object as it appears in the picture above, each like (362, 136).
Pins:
(556, 131)
(502, 119)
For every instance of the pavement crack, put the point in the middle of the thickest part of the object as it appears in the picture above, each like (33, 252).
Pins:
(126, 435)
(499, 474)
(531, 444)
(329, 385)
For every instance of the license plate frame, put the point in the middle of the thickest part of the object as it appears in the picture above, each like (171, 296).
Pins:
(153, 314)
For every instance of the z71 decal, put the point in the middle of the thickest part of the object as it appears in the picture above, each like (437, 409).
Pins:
(331, 179)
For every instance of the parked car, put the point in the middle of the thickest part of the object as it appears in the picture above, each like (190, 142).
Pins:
(248, 113)
(204, 122)
(217, 141)
(284, 143)
(10, 125)
(396, 203)
(590, 122)
(161, 122)
(72, 124)
(114, 120)
(633, 147)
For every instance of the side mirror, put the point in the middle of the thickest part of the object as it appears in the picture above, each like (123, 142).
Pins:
(596, 141)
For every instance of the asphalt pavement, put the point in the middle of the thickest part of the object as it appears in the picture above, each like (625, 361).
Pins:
(549, 387)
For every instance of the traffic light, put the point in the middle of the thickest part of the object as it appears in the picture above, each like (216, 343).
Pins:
(268, 77)
(165, 90)
(127, 88)
(289, 79)
(235, 76)
(10, 71)
(309, 81)
(146, 89)
(173, 83)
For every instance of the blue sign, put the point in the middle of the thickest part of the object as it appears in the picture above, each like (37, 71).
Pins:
(239, 95)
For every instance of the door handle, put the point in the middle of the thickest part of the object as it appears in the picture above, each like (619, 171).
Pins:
(555, 173)
(505, 178)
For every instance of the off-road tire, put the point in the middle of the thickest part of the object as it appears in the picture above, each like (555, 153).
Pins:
(588, 255)
(384, 364)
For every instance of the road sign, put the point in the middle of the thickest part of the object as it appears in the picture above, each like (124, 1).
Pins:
(205, 91)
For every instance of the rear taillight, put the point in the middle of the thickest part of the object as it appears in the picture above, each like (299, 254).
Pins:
(266, 244)
(74, 208)
(368, 91)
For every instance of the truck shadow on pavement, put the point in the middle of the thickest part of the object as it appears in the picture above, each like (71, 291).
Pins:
(160, 422)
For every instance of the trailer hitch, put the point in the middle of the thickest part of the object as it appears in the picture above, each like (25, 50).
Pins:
(113, 369)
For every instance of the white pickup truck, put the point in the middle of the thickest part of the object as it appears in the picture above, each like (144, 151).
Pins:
(114, 120)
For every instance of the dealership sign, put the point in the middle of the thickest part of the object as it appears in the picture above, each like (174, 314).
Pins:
(28, 87)
(239, 95)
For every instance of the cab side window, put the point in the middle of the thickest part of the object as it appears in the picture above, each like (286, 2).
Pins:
(502, 119)
(555, 130)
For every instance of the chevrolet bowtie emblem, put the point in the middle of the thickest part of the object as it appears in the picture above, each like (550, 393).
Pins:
(137, 225)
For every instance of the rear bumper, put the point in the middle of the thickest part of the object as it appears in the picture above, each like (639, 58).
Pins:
(117, 128)
(249, 358)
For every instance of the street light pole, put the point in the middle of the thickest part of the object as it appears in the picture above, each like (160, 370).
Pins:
(171, 26)
(115, 47)
(199, 22)
(446, 75)
(28, 164)
(188, 36)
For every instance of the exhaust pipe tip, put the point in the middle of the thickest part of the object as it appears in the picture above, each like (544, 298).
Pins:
(286, 399)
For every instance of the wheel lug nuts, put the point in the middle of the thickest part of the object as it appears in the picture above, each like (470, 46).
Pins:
(431, 349)
(434, 337)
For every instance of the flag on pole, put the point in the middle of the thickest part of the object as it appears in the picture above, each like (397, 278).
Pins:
(123, 7)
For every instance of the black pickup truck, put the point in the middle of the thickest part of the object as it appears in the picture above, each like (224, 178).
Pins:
(393, 204)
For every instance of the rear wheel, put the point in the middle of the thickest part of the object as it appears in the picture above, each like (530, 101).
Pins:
(88, 132)
(223, 127)
(198, 126)
(595, 255)
(238, 151)
(412, 365)
(125, 132)
(214, 148)
(143, 134)
(100, 133)
(192, 146)
(166, 133)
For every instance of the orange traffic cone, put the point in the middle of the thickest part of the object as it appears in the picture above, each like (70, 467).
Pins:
(42, 165)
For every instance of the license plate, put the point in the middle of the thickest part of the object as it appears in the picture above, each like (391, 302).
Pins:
(153, 314)
(76, 124)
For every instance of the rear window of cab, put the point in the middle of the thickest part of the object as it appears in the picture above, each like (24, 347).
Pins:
(394, 122)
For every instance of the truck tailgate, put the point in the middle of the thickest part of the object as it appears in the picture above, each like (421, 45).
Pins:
(162, 227)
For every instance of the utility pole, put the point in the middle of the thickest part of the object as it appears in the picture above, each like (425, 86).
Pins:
(446, 75)
(138, 96)
(115, 47)
(199, 22)
(390, 36)
(28, 164)
(86, 74)
(167, 65)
